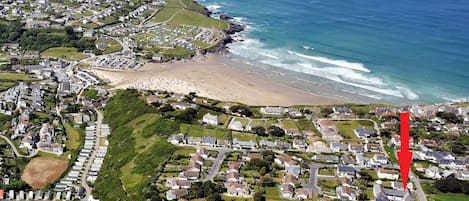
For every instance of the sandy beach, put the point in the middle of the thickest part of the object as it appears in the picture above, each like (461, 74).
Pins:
(213, 78)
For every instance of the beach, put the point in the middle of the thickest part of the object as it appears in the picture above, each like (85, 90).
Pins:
(214, 77)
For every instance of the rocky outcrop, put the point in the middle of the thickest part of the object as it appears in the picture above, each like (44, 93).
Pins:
(235, 28)
(225, 17)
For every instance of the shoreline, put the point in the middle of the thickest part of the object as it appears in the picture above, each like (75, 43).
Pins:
(215, 76)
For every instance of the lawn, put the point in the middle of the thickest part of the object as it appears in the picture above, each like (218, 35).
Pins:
(346, 128)
(112, 46)
(15, 77)
(289, 124)
(199, 131)
(271, 122)
(68, 53)
(164, 14)
(244, 136)
(272, 193)
(73, 137)
(327, 171)
(224, 119)
(258, 122)
(328, 185)
(243, 121)
(451, 197)
(177, 52)
(193, 18)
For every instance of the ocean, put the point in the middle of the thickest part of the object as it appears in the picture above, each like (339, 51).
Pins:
(388, 51)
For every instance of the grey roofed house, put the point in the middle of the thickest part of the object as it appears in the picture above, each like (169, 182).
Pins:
(438, 155)
(342, 110)
(244, 144)
(193, 140)
(209, 140)
(346, 170)
(266, 144)
(282, 145)
(294, 170)
(348, 160)
(338, 146)
(326, 158)
(272, 110)
(363, 132)
(358, 148)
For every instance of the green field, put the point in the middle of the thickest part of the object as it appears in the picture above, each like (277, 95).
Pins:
(68, 53)
(164, 14)
(112, 46)
(451, 197)
(199, 131)
(272, 193)
(346, 128)
(188, 17)
(73, 137)
(244, 136)
(8, 80)
(289, 124)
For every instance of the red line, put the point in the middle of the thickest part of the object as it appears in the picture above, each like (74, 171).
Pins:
(404, 131)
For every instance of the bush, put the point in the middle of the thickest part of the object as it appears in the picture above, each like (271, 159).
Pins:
(161, 127)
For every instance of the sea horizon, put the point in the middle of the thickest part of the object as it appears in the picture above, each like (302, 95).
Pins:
(355, 53)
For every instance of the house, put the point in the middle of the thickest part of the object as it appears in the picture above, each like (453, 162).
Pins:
(197, 158)
(285, 161)
(282, 145)
(299, 144)
(385, 194)
(209, 141)
(233, 177)
(379, 160)
(348, 160)
(326, 158)
(346, 193)
(176, 194)
(356, 148)
(345, 181)
(290, 179)
(342, 110)
(363, 133)
(194, 140)
(236, 125)
(267, 144)
(183, 106)
(233, 166)
(190, 175)
(294, 170)
(203, 152)
(372, 148)
(338, 147)
(286, 191)
(193, 167)
(179, 183)
(436, 156)
(302, 194)
(346, 171)
(463, 175)
(176, 139)
(452, 164)
(244, 144)
(210, 119)
(254, 156)
(237, 189)
(273, 110)
(388, 174)
(432, 172)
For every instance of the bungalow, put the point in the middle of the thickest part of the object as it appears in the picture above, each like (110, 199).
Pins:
(286, 191)
(290, 179)
(190, 175)
(237, 189)
(345, 181)
(346, 171)
(233, 177)
(282, 145)
(176, 194)
(273, 110)
(197, 158)
(346, 193)
(379, 160)
(285, 161)
(209, 141)
(244, 144)
(463, 175)
(338, 147)
(236, 125)
(356, 148)
(179, 183)
(193, 167)
(294, 112)
(436, 156)
(433, 172)
(348, 160)
(233, 166)
(363, 133)
(183, 106)
(372, 148)
(254, 156)
(294, 170)
(194, 140)
(299, 144)
(203, 152)
(267, 144)
(176, 139)
(388, 174)
(326, 158)
(342, 110)
(302, 194)
(210, 119)
(222, 143)
(452, 164)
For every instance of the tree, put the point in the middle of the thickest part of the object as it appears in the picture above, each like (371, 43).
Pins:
(241, 109)
(267, 181)
(186, 115)
(363, 197)
(259, 197)
(276, 131)
(260, 131)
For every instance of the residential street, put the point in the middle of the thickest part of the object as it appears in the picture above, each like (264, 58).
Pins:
(93, 156)
(216, 164)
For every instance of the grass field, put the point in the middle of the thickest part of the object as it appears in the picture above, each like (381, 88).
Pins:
(8, 80)
(272, 193)
(451, 197)
(41, 171)
(68, 53)
(199, 131)
(73, 137)
(244, 136)
(289, 124)
(164, 14)
(112, 46)
(346, 128)
(188, 17)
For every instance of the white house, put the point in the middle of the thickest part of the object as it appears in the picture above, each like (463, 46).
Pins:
(388, 174)
(211, 119)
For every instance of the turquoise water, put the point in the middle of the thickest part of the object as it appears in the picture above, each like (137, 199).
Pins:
(391, 51)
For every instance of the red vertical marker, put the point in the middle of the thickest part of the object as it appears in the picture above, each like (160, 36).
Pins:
(404, 155)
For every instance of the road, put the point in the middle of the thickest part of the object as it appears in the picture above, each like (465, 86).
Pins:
(216, 164)
(92, 157)
(313, 178)
(15, 150)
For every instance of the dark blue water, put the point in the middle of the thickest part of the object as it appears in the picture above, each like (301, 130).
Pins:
(401, 50)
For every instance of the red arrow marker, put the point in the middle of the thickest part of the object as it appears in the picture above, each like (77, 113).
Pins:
(405, 156)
